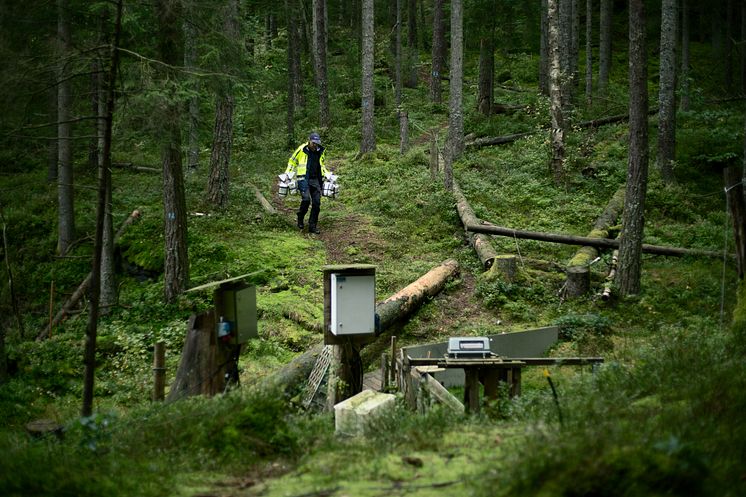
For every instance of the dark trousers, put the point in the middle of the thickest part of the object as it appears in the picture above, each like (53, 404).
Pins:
(310, 191)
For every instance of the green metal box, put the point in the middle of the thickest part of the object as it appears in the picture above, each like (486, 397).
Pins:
(236, 304)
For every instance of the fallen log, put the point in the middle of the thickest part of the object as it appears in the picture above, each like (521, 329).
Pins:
(129, 165)
(593, 123)
(607, 243)
(498, 140)
(83, 287)
(406, 300)
(578, 272)
(609, 282)
(389, 311)
(263, 201)
(480, 242)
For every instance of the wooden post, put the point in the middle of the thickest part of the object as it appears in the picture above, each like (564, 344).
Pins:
(384, 372)
(159, 371)
(471, 390)
(393, 360)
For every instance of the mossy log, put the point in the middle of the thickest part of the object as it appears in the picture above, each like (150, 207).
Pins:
(480, 242)
(578, 272)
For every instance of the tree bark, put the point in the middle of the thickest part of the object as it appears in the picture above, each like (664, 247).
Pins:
(438, 52)
(557, 134)
(667, 92)
(574, 45)
(203, 362)
(684, 102)
(564, 32)
(412, 58)
(544, 50)
(176, 260)
(486, 81)
(397, 56)
(65, 191)
(604, 45)
(630, 253)
(52, 148)
(456, 113)
(218, 185)
(403, 132)
(292, 74)
(588, 52)
(737, 209)
(368, 143)
(103, 189)
(319, 20)
(190, 62)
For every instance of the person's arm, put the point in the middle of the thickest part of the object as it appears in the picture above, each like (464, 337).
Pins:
(293, 161)
(322, 163)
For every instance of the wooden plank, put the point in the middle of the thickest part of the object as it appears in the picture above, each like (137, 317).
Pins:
(441, 394)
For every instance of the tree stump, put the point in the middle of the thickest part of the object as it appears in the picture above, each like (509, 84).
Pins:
(578, 281)
(507, 267)
(40, 428)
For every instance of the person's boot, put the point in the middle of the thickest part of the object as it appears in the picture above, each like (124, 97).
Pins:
(314, 230)
(300, 222)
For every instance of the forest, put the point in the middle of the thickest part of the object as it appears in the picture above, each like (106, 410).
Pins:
(502, 167)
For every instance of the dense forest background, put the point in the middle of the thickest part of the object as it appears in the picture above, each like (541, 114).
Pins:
(140, 146)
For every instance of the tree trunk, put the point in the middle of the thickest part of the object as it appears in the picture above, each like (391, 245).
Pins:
(319, 14)
(397, 55)
(742, 46)
(218, 185)
(684, 103)
(737, 209)
(104, 188)
(604, 45)
(607, 243)
(65, 191)
(292, 74)
(588, 52)
(176, 260)
(555, 91)
(455, 115)
(52, 149)
(294, 47)
(204, 360)
(368, 143)
(667, 92)
(630, 253)
(412, 53)
(480, 242)
(486, 71)
(728, 62)
(574, 45)
(438, 51)
(403, 132)
(564, 31)
(544, 50)
(190, 62)
(578, 269)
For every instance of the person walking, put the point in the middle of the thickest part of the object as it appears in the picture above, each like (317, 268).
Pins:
(307, 162)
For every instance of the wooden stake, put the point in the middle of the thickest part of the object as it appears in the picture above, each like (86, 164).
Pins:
(159, 371)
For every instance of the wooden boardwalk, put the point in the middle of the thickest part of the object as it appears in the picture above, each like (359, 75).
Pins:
(372, 380)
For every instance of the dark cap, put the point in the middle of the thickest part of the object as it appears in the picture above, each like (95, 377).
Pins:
(315, 138)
